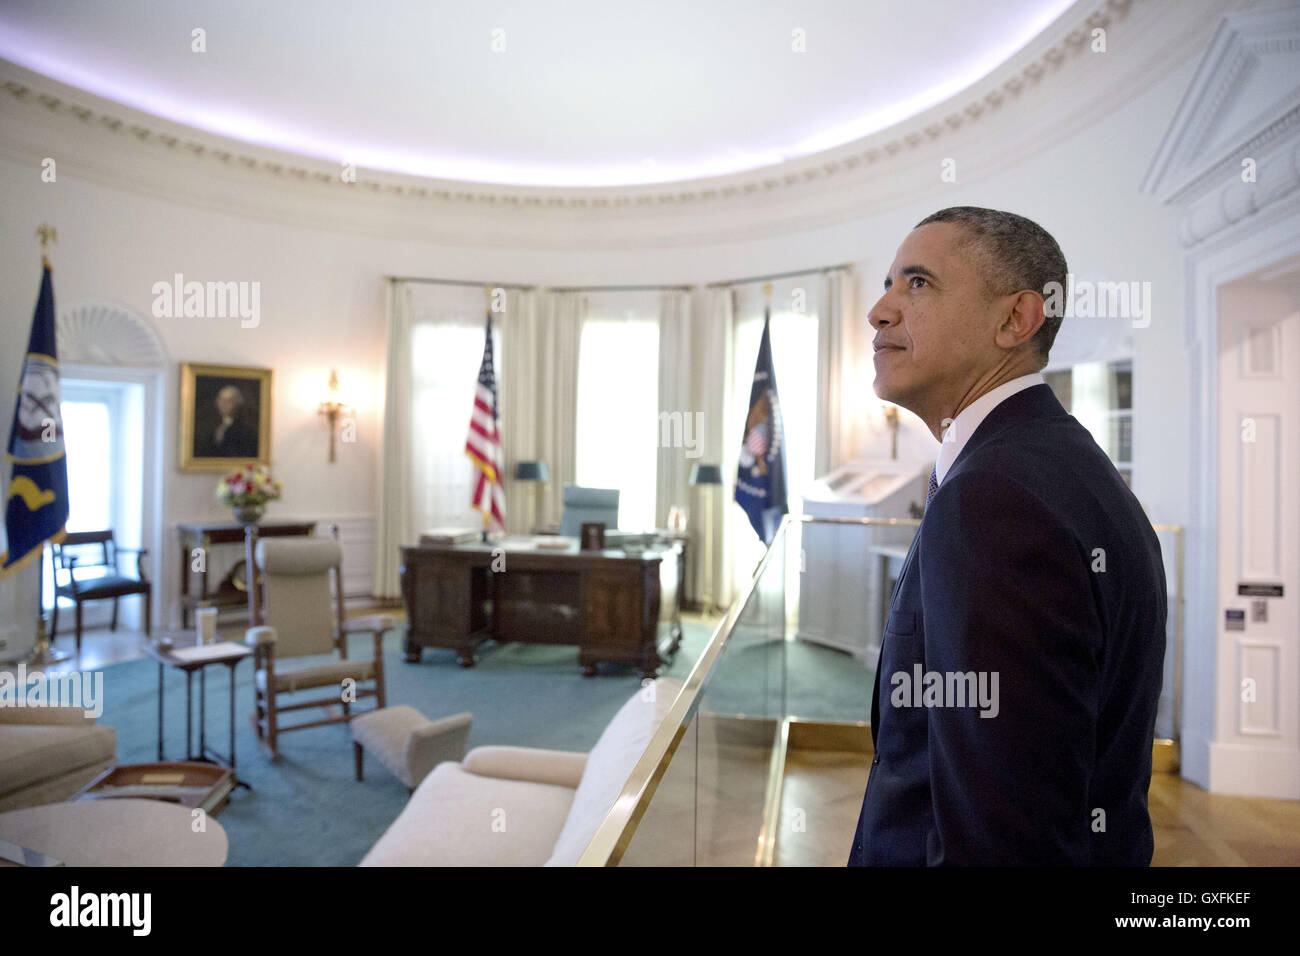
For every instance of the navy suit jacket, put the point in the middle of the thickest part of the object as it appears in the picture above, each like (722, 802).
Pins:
(1034, 561)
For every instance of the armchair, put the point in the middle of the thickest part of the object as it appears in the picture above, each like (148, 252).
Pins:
(100, 577)
(293, 614)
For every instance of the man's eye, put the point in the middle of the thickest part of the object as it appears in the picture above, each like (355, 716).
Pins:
(915, 279)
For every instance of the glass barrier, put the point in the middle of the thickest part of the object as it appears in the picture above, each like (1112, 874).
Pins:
(764, 755)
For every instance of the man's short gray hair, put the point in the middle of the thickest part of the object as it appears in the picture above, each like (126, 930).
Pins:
(1017, 254)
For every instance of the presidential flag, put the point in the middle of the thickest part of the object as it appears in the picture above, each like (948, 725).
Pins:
(760, 481)
(483, 446)
(37, 508)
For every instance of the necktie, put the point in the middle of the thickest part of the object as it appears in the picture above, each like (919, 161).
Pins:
(934, 487)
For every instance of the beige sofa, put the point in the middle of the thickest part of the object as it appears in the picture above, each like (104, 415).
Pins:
(49, 753)
(522, 806)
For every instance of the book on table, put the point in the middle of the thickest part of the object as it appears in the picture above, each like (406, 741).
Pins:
(201, 786)
(448, 537)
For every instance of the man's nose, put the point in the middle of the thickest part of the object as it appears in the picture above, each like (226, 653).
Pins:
(882, 314)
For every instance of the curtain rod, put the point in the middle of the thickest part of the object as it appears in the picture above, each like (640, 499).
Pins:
(619, 288)
(778, 275)
(819, 270)
(462, 282)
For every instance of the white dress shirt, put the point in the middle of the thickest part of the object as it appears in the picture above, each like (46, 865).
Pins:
(968, 419)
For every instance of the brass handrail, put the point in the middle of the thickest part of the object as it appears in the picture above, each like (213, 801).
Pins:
(616, 831)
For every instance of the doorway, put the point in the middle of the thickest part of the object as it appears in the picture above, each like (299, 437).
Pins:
(1258, 621)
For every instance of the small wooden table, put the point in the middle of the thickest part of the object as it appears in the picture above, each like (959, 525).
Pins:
(189, 657)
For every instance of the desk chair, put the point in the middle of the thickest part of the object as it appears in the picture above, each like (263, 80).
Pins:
(92, 577)
(582, 505)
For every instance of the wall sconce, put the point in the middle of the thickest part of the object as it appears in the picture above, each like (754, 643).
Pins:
(332, 408)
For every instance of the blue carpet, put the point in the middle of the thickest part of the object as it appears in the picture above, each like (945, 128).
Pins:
(308, 810)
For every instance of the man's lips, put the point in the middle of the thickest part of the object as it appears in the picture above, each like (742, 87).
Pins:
(888, 348)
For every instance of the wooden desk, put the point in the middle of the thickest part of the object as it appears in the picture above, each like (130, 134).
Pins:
(195, 590)
(612, 605)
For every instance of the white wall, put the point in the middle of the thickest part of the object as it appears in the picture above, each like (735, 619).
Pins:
(323, 294)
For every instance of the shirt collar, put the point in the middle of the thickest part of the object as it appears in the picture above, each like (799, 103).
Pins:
(969, 418)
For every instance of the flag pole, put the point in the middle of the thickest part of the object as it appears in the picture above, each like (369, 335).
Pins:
(487, 302)
(42, 654)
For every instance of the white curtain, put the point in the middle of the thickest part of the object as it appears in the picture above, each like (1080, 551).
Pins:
(557, 377)
(676, 397)
(839, 378)
(394, 514)
(518, 396)
(714, 343)
(434, 349)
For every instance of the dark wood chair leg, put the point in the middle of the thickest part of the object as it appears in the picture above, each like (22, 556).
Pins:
(148, 614)
(54, 622)
(78, 628)
(113, 624)
(358, 756)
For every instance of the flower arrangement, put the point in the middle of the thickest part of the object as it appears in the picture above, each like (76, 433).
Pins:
(250, 487)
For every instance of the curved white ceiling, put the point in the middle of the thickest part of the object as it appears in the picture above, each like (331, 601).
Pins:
(585, 92)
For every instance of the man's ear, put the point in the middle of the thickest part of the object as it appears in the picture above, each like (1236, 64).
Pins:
(1023, 318)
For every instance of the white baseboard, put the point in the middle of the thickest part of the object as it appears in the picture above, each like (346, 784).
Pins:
(1255, 771)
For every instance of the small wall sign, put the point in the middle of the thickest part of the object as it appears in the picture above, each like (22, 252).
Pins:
(1259, 590)
(1234, 619)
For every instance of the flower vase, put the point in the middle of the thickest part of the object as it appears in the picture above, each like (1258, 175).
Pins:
(249, 514)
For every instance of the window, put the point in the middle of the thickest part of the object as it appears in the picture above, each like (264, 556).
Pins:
(88, 435)
(1100, 396)
(618, 408)
(446, 352)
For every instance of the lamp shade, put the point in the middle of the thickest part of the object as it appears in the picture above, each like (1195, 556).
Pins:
(706, 475)
(531, 471)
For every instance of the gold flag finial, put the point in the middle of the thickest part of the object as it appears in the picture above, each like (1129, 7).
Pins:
(47, 234)
(767, 292)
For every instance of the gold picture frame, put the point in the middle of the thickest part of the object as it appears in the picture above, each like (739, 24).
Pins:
(225, 417)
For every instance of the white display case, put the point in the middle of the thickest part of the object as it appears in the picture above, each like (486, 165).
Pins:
(842, 591)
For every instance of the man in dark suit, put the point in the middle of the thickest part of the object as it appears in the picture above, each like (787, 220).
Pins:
(1022, 658)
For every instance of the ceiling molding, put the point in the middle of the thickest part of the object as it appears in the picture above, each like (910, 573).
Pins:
(1027, 104)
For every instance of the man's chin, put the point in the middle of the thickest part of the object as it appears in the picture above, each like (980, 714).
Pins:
(884, 390)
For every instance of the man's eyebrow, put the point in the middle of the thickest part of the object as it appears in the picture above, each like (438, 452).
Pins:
(907, 271)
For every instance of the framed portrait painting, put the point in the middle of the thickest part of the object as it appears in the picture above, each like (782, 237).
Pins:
(225, 416)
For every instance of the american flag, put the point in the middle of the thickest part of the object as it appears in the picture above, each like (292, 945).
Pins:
(483, 446)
